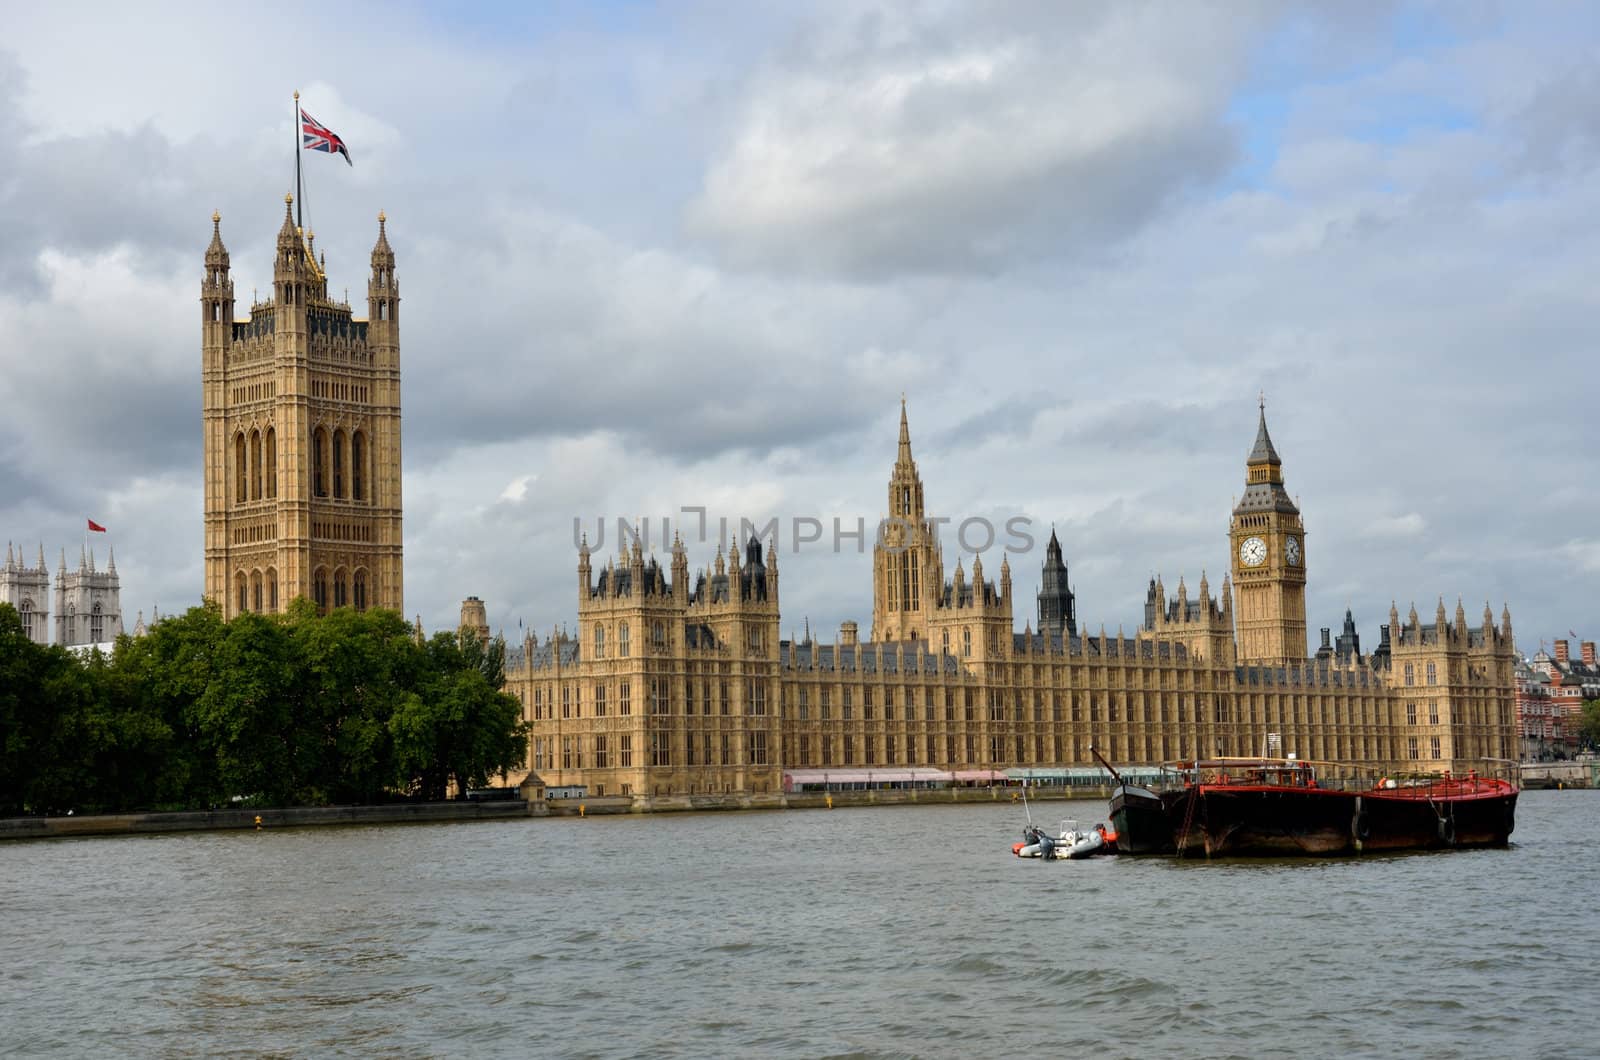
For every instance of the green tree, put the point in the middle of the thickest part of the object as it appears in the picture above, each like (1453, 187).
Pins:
(1589, 727)
(456, 726)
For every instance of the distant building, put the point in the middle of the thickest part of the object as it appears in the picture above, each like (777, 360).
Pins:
(1551, 691)
(88, 601)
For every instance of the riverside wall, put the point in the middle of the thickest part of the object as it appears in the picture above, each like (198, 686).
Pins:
(499, 810)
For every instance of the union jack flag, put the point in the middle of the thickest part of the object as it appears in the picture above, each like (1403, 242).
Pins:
(316, 136)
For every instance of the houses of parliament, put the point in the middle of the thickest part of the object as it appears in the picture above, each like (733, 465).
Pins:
(678, 683)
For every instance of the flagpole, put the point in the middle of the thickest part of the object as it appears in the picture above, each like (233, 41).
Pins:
(299, 192)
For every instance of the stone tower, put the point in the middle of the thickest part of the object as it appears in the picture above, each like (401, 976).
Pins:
(302, 435)
(88, 602)
(474, 619)
(907, 565)
(1269, 561)
(28, 590)
(1058, 610)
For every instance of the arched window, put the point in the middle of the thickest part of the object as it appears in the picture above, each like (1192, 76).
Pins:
(272, 589)
(658, 634)
(244, 591)
(319, 462)
(599, 641)
(27, 617)
(97, 628)
(319, 589)
(1433, 674)
(255, 465)
(256, 590)
(622, 640)
(272, 462)
(966, 642)
(338, 463)
(240, 471)
(359, 590)
(1411, 675)
(341, 583)
(358, 458)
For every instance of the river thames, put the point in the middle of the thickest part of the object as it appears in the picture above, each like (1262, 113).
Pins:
(895, 931)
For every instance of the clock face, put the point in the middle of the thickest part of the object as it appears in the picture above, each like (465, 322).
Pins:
(1253, 553)
(1291, 551)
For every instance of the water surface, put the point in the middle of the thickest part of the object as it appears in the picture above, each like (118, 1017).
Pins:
(896, 931)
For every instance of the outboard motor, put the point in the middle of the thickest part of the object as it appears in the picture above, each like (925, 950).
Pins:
(1047, 846)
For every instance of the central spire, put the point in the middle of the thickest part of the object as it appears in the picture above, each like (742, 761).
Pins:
(904, 457)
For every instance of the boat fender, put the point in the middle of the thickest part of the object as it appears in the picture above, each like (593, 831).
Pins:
(1360, 827)
(1511, 819)
(1447, 831)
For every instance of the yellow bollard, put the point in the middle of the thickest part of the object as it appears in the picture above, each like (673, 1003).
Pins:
(830, 801)
(582, 809)
(258, 822)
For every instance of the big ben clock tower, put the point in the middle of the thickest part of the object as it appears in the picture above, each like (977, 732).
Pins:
(1269, 561)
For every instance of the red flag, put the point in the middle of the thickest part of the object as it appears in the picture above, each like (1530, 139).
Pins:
(96, 527)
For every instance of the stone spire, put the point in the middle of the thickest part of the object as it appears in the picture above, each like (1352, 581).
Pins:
(216, 253)
(903, 458)
(1263, 451)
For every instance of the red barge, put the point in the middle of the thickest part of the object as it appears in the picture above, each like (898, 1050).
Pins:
(1224, 807)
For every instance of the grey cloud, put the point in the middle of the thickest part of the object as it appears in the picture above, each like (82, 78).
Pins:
(972, 145)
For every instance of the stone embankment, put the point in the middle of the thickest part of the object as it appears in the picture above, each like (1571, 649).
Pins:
(502, 809)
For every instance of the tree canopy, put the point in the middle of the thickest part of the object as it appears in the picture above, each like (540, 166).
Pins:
(293, 709)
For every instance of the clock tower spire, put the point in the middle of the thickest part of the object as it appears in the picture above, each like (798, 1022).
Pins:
(1269, 560)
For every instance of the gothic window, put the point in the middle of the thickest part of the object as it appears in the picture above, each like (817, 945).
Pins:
(658, 634)
(319, 462)
(966, 642)
(358, 592)
(358, 459)
(27, 618)
(1434, 746)
(240, 471)
(625, 698)
(1411, 678)
(599, 641)
(255, 465)
(272, 462)
(256, 589)
(97, 628)
(244, 598)
(599, 700)
(319, 590)
(945, 642)
(622, 640)
(272, 589)
(1433, 674)
(338, 464)
(341, 586)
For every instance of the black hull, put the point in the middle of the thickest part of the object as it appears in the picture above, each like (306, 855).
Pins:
(1218, 822)
(1142, 821)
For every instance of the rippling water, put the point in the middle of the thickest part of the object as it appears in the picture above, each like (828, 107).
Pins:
(905, 931)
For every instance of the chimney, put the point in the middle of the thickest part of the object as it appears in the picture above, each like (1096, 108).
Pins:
(848, 636)
(1588, 653)
(1562, 650)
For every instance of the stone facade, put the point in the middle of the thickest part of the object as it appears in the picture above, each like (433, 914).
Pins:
(680, 686)
(28, 590)
(302, 435)
(87, 602)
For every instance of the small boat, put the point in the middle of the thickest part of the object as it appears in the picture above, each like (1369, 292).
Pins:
(1070, 843)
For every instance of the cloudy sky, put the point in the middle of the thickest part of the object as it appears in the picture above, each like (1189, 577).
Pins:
(683, 255)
